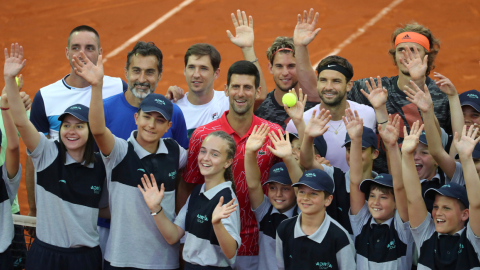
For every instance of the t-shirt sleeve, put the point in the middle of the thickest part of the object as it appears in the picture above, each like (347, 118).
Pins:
(124, 86)
(182, 215)
(192, 174)
(403, 229)
(359, 220)
(118, 153)
(474, 240)
(179, 127)
(330, 170)
(12, 184)
(38, 115)
(279, 253)
(182, 161)
(346, 257)
(232, 225)
(44, 154)
(262, 209)
(457, 177)
(423, 232)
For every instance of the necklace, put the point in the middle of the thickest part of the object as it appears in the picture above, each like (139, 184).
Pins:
(337, 129)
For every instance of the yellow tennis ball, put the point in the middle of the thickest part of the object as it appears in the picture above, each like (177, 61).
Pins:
(16, 79)
(289, 99)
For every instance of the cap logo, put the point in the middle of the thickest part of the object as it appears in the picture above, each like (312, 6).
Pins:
(379, 176)
(75, 108)
(277, 170)
(446, 186)
(310, 175)
(406, 37)
(472, 96)
(159, 101)
(330, 65)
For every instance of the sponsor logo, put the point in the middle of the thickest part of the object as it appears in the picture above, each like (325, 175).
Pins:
(215, 116)
(140, 169)
(75, 108)
(324, 265)
(159, 101)
(406, 37)
(391, 245)
(63, 181)
(262, 153)
(172, 174)
(310, 175)
(201, 219)
(460, 248)
(446, 186)
(96, 189)
(330, 65)
(472, 96)
(379, 176)
(277, 170)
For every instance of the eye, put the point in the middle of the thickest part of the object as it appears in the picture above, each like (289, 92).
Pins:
(79, 126)
(215, 154)
(146, 116)
(371, 196)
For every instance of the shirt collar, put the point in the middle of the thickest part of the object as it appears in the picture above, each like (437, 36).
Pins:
(213, 191)
(388, 222)
(436, 177)
(69, 160)
(71, 87)
(288, 213)
(347, 179)
(141, 152)
(256, 121)
(318, 235)
(459, 233)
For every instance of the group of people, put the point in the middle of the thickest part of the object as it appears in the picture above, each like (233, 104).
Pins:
(120, 177)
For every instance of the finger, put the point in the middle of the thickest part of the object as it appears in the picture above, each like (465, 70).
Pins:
(379, 82)
(304, 102)
(474, 135)
(280, 135)
(374, 85)
(417, 54)
(239, 16)
(315, 19)
(405, 133)
(299, 19)
(234, 20)
(229, 35)
(420, 129)
(271, 149)
(300, 95)
(144, 185)
(324, 129)
(310, 16)
(250, 21)
(364, 93)
(244, 18)
(438, 75)
(470, 131)
(464, 130)
(5, 52)
(154, 182)
(425, 60)
(220, 202)
(147, 181)
(141, 189)
(305, 16)
(287, 136)
(274, 135)
(255, 129)
(455, 139)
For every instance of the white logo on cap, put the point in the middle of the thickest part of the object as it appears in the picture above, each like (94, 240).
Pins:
(378, 177)
(75, 108)
(472, 96)
(159, 101)
(310, 175)
(278, 170)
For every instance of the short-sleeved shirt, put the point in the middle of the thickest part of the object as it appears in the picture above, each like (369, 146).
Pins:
(8, 191)
(120, 120)
(268, 218)
(68, 196)
(397, 103)
(273, 112)
(265, 159)
(381, 246)
(195, 218)
(458, 251)
(336, 133)
(457, 177)
(134, 239)
(52, 100)
(199, 115)
(330, 247)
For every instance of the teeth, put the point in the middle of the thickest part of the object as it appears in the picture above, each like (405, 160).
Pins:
(440, 220)
(278, 201)
(376, 209)
(206, 165)
(241, 101)
(72, 139)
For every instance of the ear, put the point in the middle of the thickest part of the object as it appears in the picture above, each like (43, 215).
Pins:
(349, 85)
(216, 74)
(465, 214)
(375, 154)
(136, 115)
(270, 68)
(66, 53)
(328, 201)
(159, 77)
(258, 92)
(100, 52)
(126, 73)
(228, 163)
(170, 124)
(226, 90)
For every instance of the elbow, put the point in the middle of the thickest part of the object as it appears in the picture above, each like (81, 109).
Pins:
(232, 254)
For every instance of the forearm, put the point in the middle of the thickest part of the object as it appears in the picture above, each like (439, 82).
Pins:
(472, 181)
(96, 113)
(434, 140)
(381, 115)
(30, 183)
(456, 118)
(300, 126)
(12, 154)
(249, 55)
(253, 175)
(394, 156)
(306, 152)
(305, 73)
(225, 240)
(417, 210)
(357, 198)
(294, 171)
(169, 230)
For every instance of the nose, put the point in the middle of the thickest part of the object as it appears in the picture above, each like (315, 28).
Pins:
(196, 73)
(279, 193)
(285, 71)
(142, 78)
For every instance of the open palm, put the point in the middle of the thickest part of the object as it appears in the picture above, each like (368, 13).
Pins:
(422, 99)
(13, 62)
(152, 196)
(84, 68)
(244, 36)
(416, 66)
(353, 124)
(317, 125)
(296, 111)
(411, 140)
(283, 147)
(390, 133)
(467, 142)
(305, 30)
(222, 211)
(377, 94)
(257, 138)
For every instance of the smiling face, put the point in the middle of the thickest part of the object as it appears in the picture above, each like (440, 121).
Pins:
(368, 155)
(312, 201)
(332, 87)
(213, 157)
(470, 116)
(86, 42)
(282, 197)
(284, 71)
(242, 93)
(142, 75)
(381, 205)
(399, 55)
(447, 215)
(424, 162)
(199, 74)
(74, 134)
(151, 127)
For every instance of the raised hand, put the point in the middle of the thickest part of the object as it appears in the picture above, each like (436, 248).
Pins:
(243, 30)
(353, 124)
(152, 196)
(223, 210)
(414, 63)
(90, 72)
(467, 142)
(377, 95)
(317, 125)
(257, 138)
(390, 133)
(283, 147)
(305, 30)
(445, 85)
(296, 112)
(15, 62)
(422, 99)
(411, 140)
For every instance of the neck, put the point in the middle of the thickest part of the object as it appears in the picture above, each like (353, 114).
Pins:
(200, 98)
(213, 180)
(311, 223)
(76, 81)
(77, 155)
(403, 80)
(336, 111)
(131, 99)
(240, 123)
(149, 147)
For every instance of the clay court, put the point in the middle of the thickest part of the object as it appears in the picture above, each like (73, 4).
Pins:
(42, 29)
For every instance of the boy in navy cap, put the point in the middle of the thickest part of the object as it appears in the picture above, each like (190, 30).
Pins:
(314, 240)
(442, 239)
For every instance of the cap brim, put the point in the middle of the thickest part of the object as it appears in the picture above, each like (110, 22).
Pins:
(274, 180)
(471, 104)
(63, 115)
(364, 144)
(154, 109)
(366, 185)
(298, 184)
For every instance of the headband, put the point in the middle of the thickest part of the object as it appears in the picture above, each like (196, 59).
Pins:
(335, 66)
(413, 37)
(281, 49)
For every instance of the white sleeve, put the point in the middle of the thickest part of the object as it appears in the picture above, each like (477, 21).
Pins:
(182, 161)
(279, 253)
(457, 177)
(44, 154)
(13, 183)
(346, 257)
(232, 225)
(474, 240)
(423, 232)
(329, 170)
(359, 220)
(118, 153)
(182, 215)
(403, 229)
(262, 209)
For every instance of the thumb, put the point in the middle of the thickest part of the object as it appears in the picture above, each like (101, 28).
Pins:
(229, 35)
(220, 202)
(100, 61)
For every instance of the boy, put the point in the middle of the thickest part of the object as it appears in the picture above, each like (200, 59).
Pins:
(314, 240)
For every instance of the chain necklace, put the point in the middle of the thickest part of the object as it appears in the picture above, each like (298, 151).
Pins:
(336, 129)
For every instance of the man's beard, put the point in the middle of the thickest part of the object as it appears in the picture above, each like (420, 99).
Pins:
(141, 94)
(288, 88)
(335, 102)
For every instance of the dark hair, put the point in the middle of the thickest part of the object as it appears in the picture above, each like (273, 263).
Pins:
(201, 49)
(326, 194)
(382, 188)
(244, 68)
(84, 28)
(88, 155)
(335, 59)
(146, 49)
(418, 28)
(231, 149)
(280, 43)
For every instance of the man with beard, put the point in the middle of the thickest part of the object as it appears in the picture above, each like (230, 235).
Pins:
(334, 81)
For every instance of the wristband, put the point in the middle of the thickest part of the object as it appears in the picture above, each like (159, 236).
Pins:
(154, 214)
(383, 122)
(256, 60)
(5, 109)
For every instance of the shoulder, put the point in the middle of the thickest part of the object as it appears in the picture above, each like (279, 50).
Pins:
(113, 99)
(272, 126)
(338, 232)
(286, 227)
(54, 86)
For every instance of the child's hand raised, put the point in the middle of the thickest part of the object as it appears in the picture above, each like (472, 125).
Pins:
(257, 138)
(15, 62)
(390, 133)
(153, 197)
(445, 85)
(422, 99)
(223, 210)
(377, 95)
(410, 141)
(90, 72)
(467, 142)
(283, 147)
(353, 124)
(317, 125)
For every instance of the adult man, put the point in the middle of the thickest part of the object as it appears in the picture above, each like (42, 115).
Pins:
(52, 100)
(415, 42)
(334, 81)
(242, 89)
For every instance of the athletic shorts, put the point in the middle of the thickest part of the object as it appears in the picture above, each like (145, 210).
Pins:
(6, 259)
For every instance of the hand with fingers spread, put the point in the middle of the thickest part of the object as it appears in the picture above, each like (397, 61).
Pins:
(223, 210)
(445, 85)
(296, 111)
(317, 125)
(283, 147)
(422, 99)
(390, 133)
(411, 140)
(305, 31)
(14, 62)
(257, 138)
(417, 67)
(153, 197)
(467, 142)
(244, 36)
(353, 124)
(377, 95)
(90, 72)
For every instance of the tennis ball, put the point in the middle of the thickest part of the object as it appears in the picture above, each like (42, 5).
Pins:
(289, 99)
(16, 79)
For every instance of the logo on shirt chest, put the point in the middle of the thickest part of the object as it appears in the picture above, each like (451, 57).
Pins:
(172, 174)
(391, 245)
(262, 152)
(324, 265)
(201, 219)
(215, 116)
(96, 189)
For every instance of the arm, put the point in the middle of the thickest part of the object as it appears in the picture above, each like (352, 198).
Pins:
(12, 155)
(252, 170)
(225, 240)
(377, 96)
(244, 39)
(354, 127)
(283, 150)
(305, 33)
(389, 136)
(417, 211)
(316, 126)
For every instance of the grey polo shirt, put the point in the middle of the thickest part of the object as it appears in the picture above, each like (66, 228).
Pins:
(457, 177)
(8, 191)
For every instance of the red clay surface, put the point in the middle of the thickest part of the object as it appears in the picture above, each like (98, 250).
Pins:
(42, 29)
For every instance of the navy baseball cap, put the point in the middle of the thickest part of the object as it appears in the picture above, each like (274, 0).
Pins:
(471, 98)
(423, 138)
(475, 153)
(79, 111)
(369, 138)
(291, 136)
(451, 190)
(279, 174)
(383, 179)
(321, 145)
(318, 180)
(157, 103)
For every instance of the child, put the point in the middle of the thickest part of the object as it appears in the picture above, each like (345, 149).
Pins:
(134, 239)
(442, 240)
(69, 184)
(380, 225)
(280, 203)
(314, 240)
(212, 228)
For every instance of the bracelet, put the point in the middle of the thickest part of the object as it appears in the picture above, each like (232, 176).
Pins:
(256, 60)
(383, 122)
(4, 109)
(154, 214)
